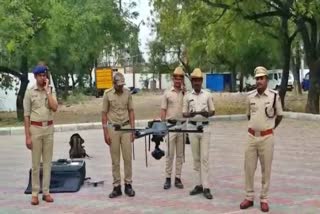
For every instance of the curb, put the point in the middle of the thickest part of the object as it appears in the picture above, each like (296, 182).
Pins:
(143, 123)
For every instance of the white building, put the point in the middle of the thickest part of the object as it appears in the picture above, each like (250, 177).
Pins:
(8, 97)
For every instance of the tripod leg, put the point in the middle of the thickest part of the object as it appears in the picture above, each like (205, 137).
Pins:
(145, 149)
(184, 147)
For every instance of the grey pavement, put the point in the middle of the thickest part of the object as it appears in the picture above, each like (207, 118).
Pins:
(295, 183)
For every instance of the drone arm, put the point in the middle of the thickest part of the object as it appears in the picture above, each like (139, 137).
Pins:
(186, 130)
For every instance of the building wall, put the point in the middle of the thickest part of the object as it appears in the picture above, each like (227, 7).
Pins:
(8, 101)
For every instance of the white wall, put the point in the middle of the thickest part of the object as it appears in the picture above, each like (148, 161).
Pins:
(166, 81)
(8, 101)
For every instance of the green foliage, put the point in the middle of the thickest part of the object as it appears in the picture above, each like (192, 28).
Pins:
(76, 97)
(68, 35)
(213, 39)
(161, 61)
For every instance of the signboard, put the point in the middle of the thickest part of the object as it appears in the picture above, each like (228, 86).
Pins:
(103, 78)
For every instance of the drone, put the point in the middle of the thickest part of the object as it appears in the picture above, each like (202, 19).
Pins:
(156, 132)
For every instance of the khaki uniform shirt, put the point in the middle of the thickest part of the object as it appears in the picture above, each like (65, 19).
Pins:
(172, 102)
(194, 102)
(258, 106)
(36, 105)
(117, 105)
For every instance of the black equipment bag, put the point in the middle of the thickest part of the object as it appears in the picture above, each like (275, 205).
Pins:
(66, 176)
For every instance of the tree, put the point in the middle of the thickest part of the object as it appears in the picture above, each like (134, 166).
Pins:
(68, 35)
(305, 16)
(19, 25)
(214, 40)
(296, 66)
(171, 31)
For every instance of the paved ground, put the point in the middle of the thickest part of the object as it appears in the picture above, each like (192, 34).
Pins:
(295, 186)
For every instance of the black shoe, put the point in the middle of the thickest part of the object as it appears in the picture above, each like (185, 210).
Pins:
(115, 192)
(207, 194)
(129, 191)
(167, 184)
(178, 183)
(197, 190)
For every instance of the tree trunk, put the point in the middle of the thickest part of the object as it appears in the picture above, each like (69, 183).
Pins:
(241, 82)
(185, 61)
(55, 83)
(233, 81)
(286, 55)
(160, 82)
(309, 35)
(296, 65)
(66, 85)
(23, 87)
(90, 79)
(313, 95)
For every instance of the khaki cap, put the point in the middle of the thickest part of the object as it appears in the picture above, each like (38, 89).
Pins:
(178, 71)
(260, 71)
(196, 73)
(118, 79)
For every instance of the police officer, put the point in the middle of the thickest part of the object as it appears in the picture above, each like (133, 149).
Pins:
(171, 110)
(118, 110)
(198, 106)
(264, 113)
(39, 104)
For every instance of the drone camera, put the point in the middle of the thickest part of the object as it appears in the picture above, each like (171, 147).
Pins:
(157, 153)
(200, 128)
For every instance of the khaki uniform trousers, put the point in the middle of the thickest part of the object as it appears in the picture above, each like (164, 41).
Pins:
(200, 153)
(258, 148)
(175, 146)
(42, 147)
(121, 141)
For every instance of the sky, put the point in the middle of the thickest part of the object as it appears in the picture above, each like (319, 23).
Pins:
(144, 35)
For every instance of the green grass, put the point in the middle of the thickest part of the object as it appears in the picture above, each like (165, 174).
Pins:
(76, 98)
(10, 122)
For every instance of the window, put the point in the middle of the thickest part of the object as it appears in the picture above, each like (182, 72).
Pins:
(275, 76)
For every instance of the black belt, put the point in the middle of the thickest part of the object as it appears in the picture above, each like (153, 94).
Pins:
(202, 123)
(119, 124)
(174, 122)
